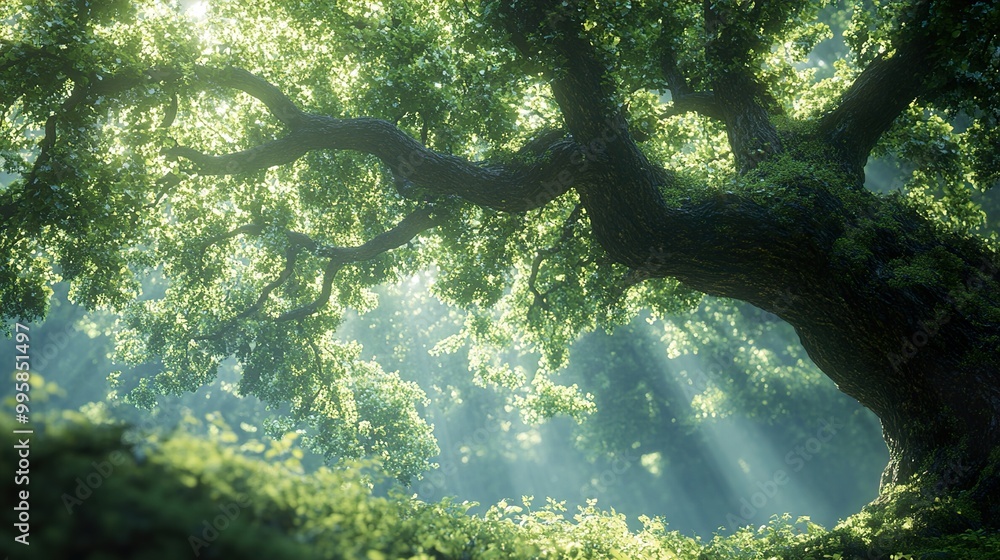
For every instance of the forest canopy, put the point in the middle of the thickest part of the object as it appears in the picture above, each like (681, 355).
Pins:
(232, 179)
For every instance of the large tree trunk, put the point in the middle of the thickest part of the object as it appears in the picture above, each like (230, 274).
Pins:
(916, 342)
(903, 316)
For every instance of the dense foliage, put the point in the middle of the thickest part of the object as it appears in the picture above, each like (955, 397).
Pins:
(233, 181)
(187, 497)
(96, 94)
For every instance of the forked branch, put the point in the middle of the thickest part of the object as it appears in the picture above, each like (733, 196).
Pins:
(337, 258)
(409, 227)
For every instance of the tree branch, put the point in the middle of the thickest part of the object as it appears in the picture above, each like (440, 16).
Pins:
(752, 136)
(85, 88)
(701, 102)
(165, 184)
(279, 104)
(408, 228)
(684, 98)
(513, 187)
(332, 268)
(930, 43)
(619, 187)
(308, 407)
(869, 107)
(541, 255)
(403, 232)
(744, 104)
(269, 154)
(296, 242)
(251, 229)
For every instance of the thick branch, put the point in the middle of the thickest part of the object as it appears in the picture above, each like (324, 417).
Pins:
(752, 136)
(279, 104)
(879, 94)
(745, 105)
(512, 187)
(701, 102)
(618, 186)
(270, 154)
(580, 83)
(934, 38)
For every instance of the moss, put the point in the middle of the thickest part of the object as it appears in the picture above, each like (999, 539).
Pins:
(854, 252)
(936, 268)
(905, 522)
(798, 172)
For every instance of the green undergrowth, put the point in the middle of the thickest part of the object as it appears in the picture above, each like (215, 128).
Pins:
(93, 497)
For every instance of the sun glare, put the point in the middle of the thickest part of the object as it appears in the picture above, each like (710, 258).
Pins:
(198, 10)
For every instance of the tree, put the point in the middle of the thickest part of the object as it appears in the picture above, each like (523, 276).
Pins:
(562, 164)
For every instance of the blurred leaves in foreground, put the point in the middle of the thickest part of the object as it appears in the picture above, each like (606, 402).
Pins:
(96, 497)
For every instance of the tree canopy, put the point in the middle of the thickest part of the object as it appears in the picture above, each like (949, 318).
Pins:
(233, 177)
